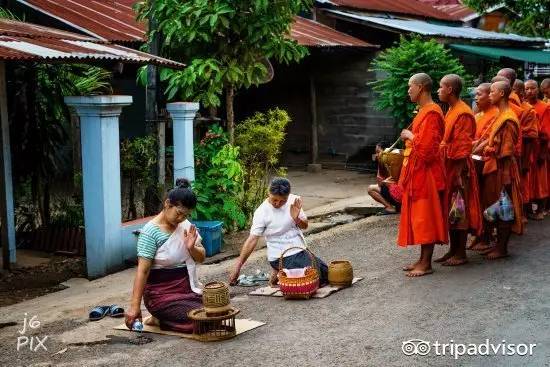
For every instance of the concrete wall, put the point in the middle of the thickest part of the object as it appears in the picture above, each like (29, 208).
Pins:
(349, 124)
(347, 117)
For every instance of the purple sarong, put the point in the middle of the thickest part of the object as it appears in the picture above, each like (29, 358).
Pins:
(168, 297)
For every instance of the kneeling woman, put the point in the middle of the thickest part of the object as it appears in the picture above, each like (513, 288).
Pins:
(167, 249)
(280, 219)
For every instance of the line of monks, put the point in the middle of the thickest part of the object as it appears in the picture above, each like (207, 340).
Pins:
(473, 160)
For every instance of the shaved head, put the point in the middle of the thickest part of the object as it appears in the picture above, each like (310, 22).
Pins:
(486, 87)
(532, 91)
(455, 82)
(519, 88)
(482, 96)
(509, 74)
(531, 83)
(500, 78)
(545, 87)
(423, 80)
(504, 87)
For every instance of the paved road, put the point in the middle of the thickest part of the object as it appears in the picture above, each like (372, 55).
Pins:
(367, 324)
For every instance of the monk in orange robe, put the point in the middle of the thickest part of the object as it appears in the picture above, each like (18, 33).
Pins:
(484, 118)
(422, 178)
(529, 134)
(541, 189)
(460, 173)
(487, 112)
(545, 89)
(500, 170)
(514, 102)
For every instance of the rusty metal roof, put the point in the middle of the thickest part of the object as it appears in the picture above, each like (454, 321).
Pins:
(407, 7)
(30, 42)
(436, 30)
(16, 28)
(457, 10)
(109, 20)
(310, 33)
(115, 21)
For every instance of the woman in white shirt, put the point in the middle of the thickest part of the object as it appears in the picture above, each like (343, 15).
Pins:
(280, 219)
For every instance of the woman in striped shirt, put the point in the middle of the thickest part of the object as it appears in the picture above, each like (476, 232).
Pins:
(167, 248)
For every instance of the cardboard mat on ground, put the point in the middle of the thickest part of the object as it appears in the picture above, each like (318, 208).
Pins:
(321, 292)
(242, 326)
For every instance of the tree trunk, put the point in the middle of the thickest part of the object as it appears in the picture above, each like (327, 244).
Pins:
(229, 98)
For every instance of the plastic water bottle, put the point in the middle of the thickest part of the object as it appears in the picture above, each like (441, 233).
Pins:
(137, 326)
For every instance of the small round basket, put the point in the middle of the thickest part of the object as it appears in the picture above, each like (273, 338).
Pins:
(215, 297)
(302, 287)
(213, 328)
(340, 273)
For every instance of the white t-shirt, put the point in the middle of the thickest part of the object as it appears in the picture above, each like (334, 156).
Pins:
(278, 228)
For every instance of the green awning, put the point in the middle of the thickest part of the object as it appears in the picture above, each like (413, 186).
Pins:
(496, 53)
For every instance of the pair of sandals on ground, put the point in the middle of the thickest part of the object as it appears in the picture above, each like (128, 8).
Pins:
(99, 312)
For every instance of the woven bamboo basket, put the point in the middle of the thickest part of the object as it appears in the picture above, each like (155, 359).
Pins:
(340, 273)
(213, 328)
(302, 287)
(215, 298)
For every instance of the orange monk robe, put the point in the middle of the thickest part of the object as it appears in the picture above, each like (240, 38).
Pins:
(500, 170)
(484, 119)
(529, 132)
(460, 173)
(543, 152)
(515, 105)
(422, 179)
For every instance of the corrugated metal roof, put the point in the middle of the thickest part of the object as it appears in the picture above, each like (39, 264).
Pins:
(36, 43)
(16, 28)
(441, 2)
(457, 10)
(108, 20)
(310, 33)
(115, 21)
(407, 7)
(436, 30)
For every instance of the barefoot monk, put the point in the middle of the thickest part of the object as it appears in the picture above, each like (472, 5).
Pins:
(501, 173)
(460, 174)
(540, 187)
(529, 135)
(422, 178)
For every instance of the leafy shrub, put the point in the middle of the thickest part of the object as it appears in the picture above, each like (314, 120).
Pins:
(260, 139)
(218, 180)
(412, 55)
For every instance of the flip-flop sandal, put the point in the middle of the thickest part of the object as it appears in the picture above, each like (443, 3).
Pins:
(99, 312)
(116, 311)
(246, 281)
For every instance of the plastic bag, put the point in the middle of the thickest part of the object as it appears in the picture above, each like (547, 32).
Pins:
(506, 208)
(458, 208)
(502, 209)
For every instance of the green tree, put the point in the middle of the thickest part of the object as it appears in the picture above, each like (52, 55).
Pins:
(533, 16)
(412, 55)
(225, 43)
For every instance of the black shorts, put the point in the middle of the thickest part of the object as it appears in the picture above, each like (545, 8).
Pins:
(385, 192)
